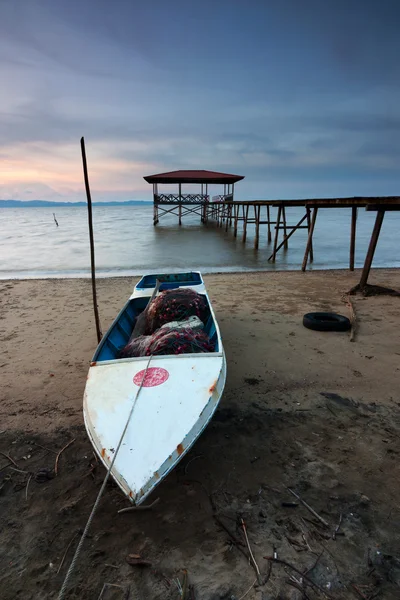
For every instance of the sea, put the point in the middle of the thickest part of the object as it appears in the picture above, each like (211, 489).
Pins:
(127, 243)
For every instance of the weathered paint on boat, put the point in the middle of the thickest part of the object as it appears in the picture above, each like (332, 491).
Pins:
(178, 398)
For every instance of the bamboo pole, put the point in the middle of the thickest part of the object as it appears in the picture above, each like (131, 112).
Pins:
(92, 262)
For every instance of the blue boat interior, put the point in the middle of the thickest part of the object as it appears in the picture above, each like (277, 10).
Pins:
(170, 280)
(120, 331)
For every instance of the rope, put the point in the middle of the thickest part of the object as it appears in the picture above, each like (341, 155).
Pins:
(63, 590)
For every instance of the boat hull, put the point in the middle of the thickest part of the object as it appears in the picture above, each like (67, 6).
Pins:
(177, 400)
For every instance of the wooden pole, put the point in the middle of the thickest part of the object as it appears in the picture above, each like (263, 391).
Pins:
(257, 210)
(236, 218)
(90, 220)
(285, 238)
(371, 249)
(290, 234)
(309, 240)
(180, 214)
(278, 220)
(245, 223)
(269, 225)
(308, 226)
(353, 236)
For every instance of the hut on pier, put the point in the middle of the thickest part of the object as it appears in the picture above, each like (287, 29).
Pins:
(195, 202)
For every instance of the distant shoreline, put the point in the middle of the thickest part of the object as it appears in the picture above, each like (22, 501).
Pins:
(50, 204)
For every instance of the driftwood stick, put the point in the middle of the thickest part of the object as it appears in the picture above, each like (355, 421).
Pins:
(59, 454)
(27, 485)
(359, 592)
(136, 508)
(9, 458)
(306, 577)
(65, 553)
(249, 590)
(308, 507)
(253, 560)
(353, 317)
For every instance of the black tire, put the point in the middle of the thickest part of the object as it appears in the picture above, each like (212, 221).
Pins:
(324, 321)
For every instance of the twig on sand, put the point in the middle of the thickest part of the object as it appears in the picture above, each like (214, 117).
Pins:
(315, 563)
(249, 590)
(18, 470)
(308, 507)
(106, 585)
(44, 448)
(185, 587)
(306, 577)
(257, 570)
(191, 460)
(359, 592)
(27, 485)
(59, 454)
(9, 458)
(337, 527)
(136, 508)
(65, 553)
(293, 582)
(234, 539)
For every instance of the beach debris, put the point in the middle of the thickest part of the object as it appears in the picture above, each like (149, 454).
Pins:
(308, 507)
(353, 316)
(139, 508)
(135, 560)
(43, 474)
(107, 585)
(65, 553)
(9, 458)
(336, 532)
(55, 220)
(27, 486)
(253, 560)
(59, 454)
(303, 575)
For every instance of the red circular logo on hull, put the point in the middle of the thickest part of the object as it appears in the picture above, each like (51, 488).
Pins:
(154, 376)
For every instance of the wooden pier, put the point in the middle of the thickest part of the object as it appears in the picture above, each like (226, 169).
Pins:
(228, 213)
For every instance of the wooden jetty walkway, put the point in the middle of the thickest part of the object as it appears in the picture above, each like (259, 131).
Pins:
(228, 213)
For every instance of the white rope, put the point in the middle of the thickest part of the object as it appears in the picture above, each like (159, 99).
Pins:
(90, 519)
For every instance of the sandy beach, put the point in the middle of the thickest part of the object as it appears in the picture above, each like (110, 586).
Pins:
(302, 409)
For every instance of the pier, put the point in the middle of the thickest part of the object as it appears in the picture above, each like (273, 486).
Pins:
(227, 213)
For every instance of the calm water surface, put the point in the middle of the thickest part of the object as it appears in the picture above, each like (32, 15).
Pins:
(127, 243)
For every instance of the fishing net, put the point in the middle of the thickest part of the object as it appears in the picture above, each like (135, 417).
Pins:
(179, 342)
(174, 305)
(167, 341)
(135, 347)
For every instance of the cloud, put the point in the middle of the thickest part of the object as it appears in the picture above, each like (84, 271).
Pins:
(279, 92)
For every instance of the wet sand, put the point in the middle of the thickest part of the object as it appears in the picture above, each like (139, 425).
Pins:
(303, 409)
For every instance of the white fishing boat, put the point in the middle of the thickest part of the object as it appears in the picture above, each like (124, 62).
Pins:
(174, 396)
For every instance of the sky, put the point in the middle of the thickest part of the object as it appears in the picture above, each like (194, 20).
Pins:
(302, 97)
